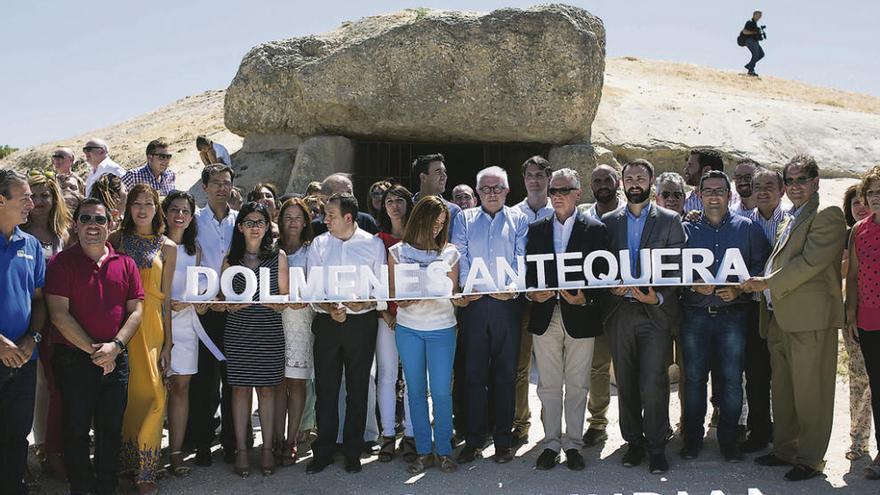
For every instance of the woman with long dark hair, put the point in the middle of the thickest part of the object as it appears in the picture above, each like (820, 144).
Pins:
(253, 341)
(377, 195)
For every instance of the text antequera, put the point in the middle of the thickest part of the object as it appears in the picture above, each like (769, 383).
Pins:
(661, 267)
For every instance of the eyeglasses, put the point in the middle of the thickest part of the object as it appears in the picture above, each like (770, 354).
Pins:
(492, 189)
(179, 211)
(801, 181)
(87, 149)
(162, 156)
(561, 191)
(714, 192)
(672, 194)
(58, 156)
(377, 193)
(87, 219)
(250, 224)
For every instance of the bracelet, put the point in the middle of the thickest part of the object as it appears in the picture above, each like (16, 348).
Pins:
(119, 344)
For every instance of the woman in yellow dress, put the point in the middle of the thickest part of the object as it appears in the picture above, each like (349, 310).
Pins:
(149, 351)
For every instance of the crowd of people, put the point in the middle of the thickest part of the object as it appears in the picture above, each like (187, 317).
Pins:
(96, 341)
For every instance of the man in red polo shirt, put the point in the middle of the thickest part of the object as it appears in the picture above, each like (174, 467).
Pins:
(95, 300)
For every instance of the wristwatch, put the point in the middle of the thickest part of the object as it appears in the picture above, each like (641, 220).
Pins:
(37, 336)
(119, 344)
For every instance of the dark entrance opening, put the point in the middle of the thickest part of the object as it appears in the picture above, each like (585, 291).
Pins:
(379, 160)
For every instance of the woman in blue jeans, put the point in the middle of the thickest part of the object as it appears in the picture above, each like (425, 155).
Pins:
(425, 330)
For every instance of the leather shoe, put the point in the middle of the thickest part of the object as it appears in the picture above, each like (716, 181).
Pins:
(770, 460)
(353, 465)
(801, 472)
(318, 464)
(574, 460)
(519, 440)
(203, 457)
(467, 454)
(752, 444)
(634, 455)
(503, 455)
(594, 437)
(547, 460)
(690, 450)
(732, 454)
(658, 463)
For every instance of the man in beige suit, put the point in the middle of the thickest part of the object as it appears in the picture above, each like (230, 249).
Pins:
(801, 310)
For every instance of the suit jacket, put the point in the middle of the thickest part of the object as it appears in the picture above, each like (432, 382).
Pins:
(663, 229)
(805, 280)
(587, 235)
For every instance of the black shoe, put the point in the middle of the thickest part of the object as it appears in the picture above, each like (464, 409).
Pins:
(690, 450)
(547, 460)
(732, 454)
(518, 440)
(318, 464)
(741, 433)
(353, 465)
(658, 463)
(503, 455)
(752, 444)
(371, 448)
(203, 457)
(770, 460)
(574, 460)
(467, 454)
(753, 73)
(594, 437)
(801, 472)
(634, 456)
(229, 455)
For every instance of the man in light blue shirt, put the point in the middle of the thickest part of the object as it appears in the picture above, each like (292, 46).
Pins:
(490, 324)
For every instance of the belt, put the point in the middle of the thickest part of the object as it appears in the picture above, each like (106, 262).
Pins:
(714, 310)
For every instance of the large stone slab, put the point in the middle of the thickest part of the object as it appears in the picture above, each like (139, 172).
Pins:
(511, 75)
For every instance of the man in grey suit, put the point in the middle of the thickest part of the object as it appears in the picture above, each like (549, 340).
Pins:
(638, 320)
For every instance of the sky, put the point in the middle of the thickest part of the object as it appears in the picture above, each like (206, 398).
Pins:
(69, 67)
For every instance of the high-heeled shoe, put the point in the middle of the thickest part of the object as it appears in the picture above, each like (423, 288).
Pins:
(241, 468)
(267, 466)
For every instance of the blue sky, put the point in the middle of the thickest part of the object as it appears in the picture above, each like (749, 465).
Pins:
(74, 66)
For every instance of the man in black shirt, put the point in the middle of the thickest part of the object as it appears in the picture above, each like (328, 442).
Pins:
(752, 34)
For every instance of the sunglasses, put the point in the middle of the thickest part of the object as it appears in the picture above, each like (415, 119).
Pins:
(672, 194)
(87, 219)
(163, 156)
(87, 149)
(560, 191)
(58, 157)
(789, 181)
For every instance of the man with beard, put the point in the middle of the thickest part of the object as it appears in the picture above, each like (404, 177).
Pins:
(700, 161)
(638, 321)
(742, 177)
(604, 183)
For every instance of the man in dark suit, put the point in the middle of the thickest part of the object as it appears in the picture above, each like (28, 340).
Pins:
(638, 321)
(564, 323)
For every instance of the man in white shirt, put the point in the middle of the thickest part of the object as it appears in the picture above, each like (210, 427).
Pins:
(215, 223)
(345, 336)
(564, 323)
(536, 206)
(211, 152)
(98, 158)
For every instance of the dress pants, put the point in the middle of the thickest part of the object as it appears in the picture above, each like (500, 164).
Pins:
(522, 416)
(17, 394)
(600, 384)
(757, 368)
(90, 397)
(204, 392)
(348, 348)
(563, 363)
(491, 331)
(640, 351)
(804, 368)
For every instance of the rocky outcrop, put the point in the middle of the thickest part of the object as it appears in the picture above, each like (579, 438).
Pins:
(511, 75)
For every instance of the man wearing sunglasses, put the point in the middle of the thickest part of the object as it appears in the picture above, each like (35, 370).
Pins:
(802, 309)
(22, 317)
(62, 160)
(155, 173)
(98, 158)
(95, 301)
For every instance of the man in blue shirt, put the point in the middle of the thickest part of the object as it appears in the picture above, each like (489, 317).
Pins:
(22, 316)
(715, 320)
(491, 323)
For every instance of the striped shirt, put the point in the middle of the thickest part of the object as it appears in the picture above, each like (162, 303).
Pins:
(143, 175)
(769, 226)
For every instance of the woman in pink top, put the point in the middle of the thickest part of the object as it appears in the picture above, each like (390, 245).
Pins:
(863, 295)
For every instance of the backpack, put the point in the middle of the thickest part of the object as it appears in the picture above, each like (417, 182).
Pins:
(741, 39)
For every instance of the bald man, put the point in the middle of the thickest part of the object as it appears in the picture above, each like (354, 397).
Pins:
(98, 158)
(62, 160)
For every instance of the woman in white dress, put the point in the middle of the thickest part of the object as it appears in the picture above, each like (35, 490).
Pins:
(179, 208)
(295, 236)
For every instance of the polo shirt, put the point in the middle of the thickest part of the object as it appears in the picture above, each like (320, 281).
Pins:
(97, 295)
(24, 270)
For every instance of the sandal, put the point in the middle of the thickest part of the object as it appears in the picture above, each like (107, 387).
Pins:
(267, 467)
(420, 464)
(241, 466)
(448, 464)
(386, 452)
(408, 449)
(855, 454)
(177, 468)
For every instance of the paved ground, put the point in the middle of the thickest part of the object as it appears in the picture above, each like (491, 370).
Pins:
(604, 474)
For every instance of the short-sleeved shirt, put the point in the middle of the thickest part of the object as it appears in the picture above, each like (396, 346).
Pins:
(427, 314)
(97, 295)
(24, 270)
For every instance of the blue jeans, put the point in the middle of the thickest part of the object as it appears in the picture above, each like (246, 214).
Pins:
(716, 342)
(428, 356)
(17, 392)
(756, 51)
